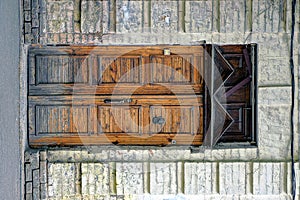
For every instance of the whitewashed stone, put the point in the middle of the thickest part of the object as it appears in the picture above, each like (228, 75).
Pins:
(274, 71)
(274, 131)
(269, 178)
(200, 178)
(199, 16)
(268, 16)
(164, 16)
(234, 178)
(91, 16)
(61, 179)
(232, 16)
(129, 177)
(95, 179)
(274, 96)
(60, 16)
(129, 16)
(163, 178)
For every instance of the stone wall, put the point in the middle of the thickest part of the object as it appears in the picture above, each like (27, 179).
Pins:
(230, 172)
(80, 174)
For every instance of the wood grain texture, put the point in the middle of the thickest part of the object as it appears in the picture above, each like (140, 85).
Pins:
(63, 117)
(232, 64)
(98, 70)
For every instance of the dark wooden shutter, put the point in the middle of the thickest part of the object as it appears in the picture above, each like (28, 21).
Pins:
(84, 95)
(230, 94)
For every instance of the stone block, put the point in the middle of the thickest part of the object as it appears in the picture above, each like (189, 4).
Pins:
(61, 179)
(60, 16)
(36, 194)
(35, 178)
(129, 177)
(44, 192)
(235, 178)
(274, 71)
(269, 178)
(199, 16)
(35, 19)
(27, 28)
(274, 131)
(164, 16)
(274, 96)
(43, 172)
(28, 38)
(28, 187)
(28, 172)
(200, 178)
(27, 16)
(272, 44)
(232, 16)
(28, 196)
(129, 16)
(35, 34)
(95, 178)
(27, 4)
(91, 16)
(269, 16)
(163, 178)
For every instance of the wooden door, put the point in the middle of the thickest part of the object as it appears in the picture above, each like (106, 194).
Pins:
(130, 95)
(140, 95)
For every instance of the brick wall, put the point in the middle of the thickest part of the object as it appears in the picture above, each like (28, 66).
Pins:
(146, 173)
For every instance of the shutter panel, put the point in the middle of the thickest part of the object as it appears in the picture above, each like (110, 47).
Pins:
(229, 110)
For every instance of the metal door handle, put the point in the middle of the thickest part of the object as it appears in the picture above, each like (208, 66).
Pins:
(117, 101)
(158, 120)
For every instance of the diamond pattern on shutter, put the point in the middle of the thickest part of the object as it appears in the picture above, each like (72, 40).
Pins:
(229, 94)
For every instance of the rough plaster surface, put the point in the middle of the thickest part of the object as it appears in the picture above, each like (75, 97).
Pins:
(173, 173)
(10, 150)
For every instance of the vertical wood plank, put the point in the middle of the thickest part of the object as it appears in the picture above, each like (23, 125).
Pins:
(147, 69)
(196, 78)
(137, 70)
(167, 67)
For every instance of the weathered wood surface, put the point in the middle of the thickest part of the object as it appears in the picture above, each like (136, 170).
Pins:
(138, 95)
(77, 93)
(233, 89)
(54, 119)
(98, 70)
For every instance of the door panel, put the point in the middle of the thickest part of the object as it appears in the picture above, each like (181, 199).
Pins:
(171, 69)
(120, 70)
(60, 119)
(174, 119)
(61, 69)
(118, 119)
(50, 119)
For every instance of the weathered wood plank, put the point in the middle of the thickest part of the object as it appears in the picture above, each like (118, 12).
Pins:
(136, 100)
(116, 139)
